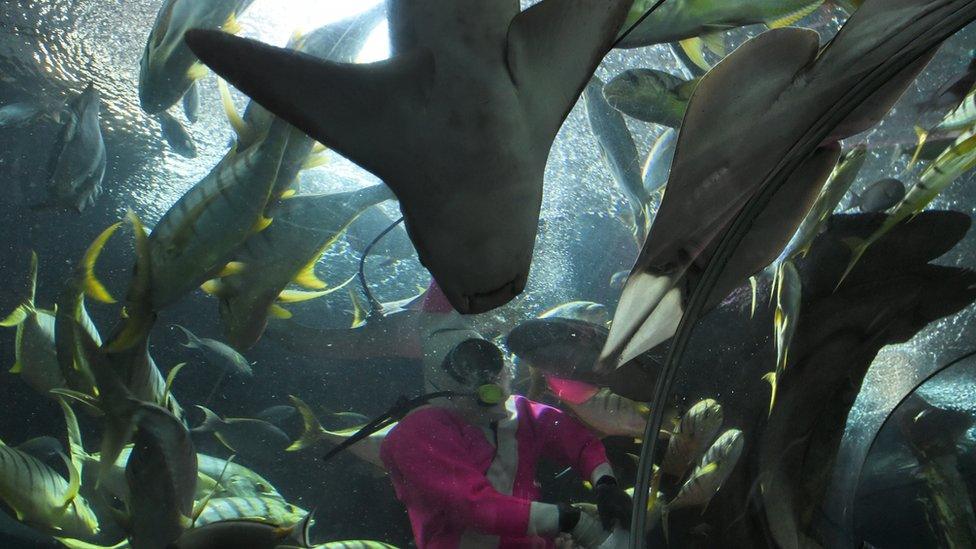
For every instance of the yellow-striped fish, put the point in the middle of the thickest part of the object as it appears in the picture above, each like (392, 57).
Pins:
(197, 235)
(270, 510)
(698, 427)
(284, 253)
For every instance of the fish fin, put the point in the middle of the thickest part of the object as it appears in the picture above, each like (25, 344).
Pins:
(771, 379)
(74, 481)
(358, 314)
(298, 296)
(312, 430)
(196, 71)
(231, 268)
(25, 309)
(261, 224)
(202, 504)
(213, 287)
(140, 317)
(306, 277)
(300, 533)
(93, 287)
(17, 368)
(240, 127)
(923, 136)
(694, 48)
(791, 18)
(75, 445)
(72, 543)
(316, 160)
(348, 107)
(715, 43)
(192, 341)
(554, 47)
(170, 378)
(290, 193)
(754, 284)
(318, 148)
(279, 312)
(231, 25)
(211, 421)
(90, 402)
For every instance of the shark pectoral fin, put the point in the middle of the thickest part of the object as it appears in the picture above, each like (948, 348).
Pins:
(638, 321)
(877, 105)
(362, 111)
(553, 49)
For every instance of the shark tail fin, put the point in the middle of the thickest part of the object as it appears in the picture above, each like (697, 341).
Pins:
(22, 311)
(312, 430)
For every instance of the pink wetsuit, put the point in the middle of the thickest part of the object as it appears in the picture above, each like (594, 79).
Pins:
(446, 472)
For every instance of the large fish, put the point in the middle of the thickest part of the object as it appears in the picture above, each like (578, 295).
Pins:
(235, 473)
(602, 410)
(458, 123)
(650, 95)
(168, 68)
(18, 114)
(162, 477)
(199, 233)
(245, 533)
(286, 252)
(802, 100)
(618, 151)
(587, 311)
(952, 93)
(676, 20)
(77, 163)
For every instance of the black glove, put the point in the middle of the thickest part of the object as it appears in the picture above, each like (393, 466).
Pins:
(612, 503)
(569, 517)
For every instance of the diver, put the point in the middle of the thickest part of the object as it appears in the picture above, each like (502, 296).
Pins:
(464, 464)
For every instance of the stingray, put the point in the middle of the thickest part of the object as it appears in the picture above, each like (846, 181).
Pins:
(760, 131)
(459, 122)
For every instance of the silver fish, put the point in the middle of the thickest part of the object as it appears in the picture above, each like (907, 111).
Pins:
(253, 438)
(217, 353)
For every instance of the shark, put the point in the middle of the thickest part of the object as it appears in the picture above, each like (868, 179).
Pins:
(802, 99)
(458, 122)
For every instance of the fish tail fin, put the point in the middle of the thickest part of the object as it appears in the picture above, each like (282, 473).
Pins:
(211, 421)
(192, 341)
(94, 287)
(754, 285)
(170, 378)
(358, 313)
(923, 135)
(312, 430)
(307, 278)
(771, 379)
(694, 48)
(22, 311)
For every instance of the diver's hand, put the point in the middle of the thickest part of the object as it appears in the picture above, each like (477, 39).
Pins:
(588, 533)
(612, 503)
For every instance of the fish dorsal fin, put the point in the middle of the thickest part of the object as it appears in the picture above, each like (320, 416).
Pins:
(553, 49)
(363, 112)
(170, 378)
(75, 445)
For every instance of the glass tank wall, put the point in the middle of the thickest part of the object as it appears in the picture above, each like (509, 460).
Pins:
(793, 327)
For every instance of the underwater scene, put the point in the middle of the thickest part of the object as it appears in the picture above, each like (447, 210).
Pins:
(487, 273)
